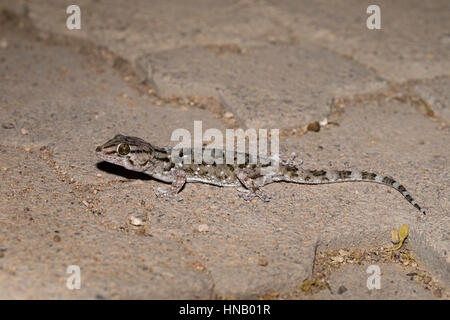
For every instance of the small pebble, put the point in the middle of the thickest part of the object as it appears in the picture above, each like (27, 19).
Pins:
(324, 122)
(199, 266)
(314, 126)
(3, 44)
(341, 290)
(228, 115)
(57, 238)
(99, 175)
(203, 228)
(337, 259)
(263, 262)
(135, 220)
(24, 131)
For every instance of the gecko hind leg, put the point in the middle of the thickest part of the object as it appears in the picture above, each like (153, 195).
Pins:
(179, 180)
(251, 189)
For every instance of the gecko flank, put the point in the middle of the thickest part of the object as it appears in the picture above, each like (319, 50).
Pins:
(138, 155)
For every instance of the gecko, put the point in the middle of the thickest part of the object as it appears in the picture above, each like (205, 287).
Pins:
(136, 154)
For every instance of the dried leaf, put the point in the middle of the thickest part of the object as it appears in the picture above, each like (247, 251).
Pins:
(403, 234)
(395, 237)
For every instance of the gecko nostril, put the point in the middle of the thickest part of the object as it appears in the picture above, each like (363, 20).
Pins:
(98, 149)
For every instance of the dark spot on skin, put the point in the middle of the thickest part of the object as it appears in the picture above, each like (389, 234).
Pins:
(131, 161)
(365, 175)
(344, 174)
(307, 178)
(408, 197)
(401, 188)
(138, 151)
(162, 156)
(388, 180)
(318, 173)
(144, 163)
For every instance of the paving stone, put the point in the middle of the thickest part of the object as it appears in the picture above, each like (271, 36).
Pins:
(351, 283)
(413, 41)
(272, 87)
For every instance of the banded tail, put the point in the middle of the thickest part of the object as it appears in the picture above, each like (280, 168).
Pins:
(334, 176)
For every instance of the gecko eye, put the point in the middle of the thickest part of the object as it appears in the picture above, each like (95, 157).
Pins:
(123, 149)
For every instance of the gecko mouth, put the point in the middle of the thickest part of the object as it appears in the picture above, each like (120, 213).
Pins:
(100, 154)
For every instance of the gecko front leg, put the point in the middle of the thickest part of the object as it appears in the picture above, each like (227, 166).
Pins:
(179, 179)
(251, 189)
(291, 163)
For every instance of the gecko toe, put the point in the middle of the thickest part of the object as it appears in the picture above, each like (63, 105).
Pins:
(245, 194)
(167, 194)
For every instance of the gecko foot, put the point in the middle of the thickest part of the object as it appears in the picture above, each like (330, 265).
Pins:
(167, 194)
(179, 179)
(249, 195)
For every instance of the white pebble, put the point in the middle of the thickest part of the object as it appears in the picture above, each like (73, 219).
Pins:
(3, 44)
(135, 220)
(203, 228)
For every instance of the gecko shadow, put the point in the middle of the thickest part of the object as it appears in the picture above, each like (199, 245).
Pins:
(121, 171)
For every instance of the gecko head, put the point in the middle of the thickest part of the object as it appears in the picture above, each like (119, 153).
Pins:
(131, 153)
